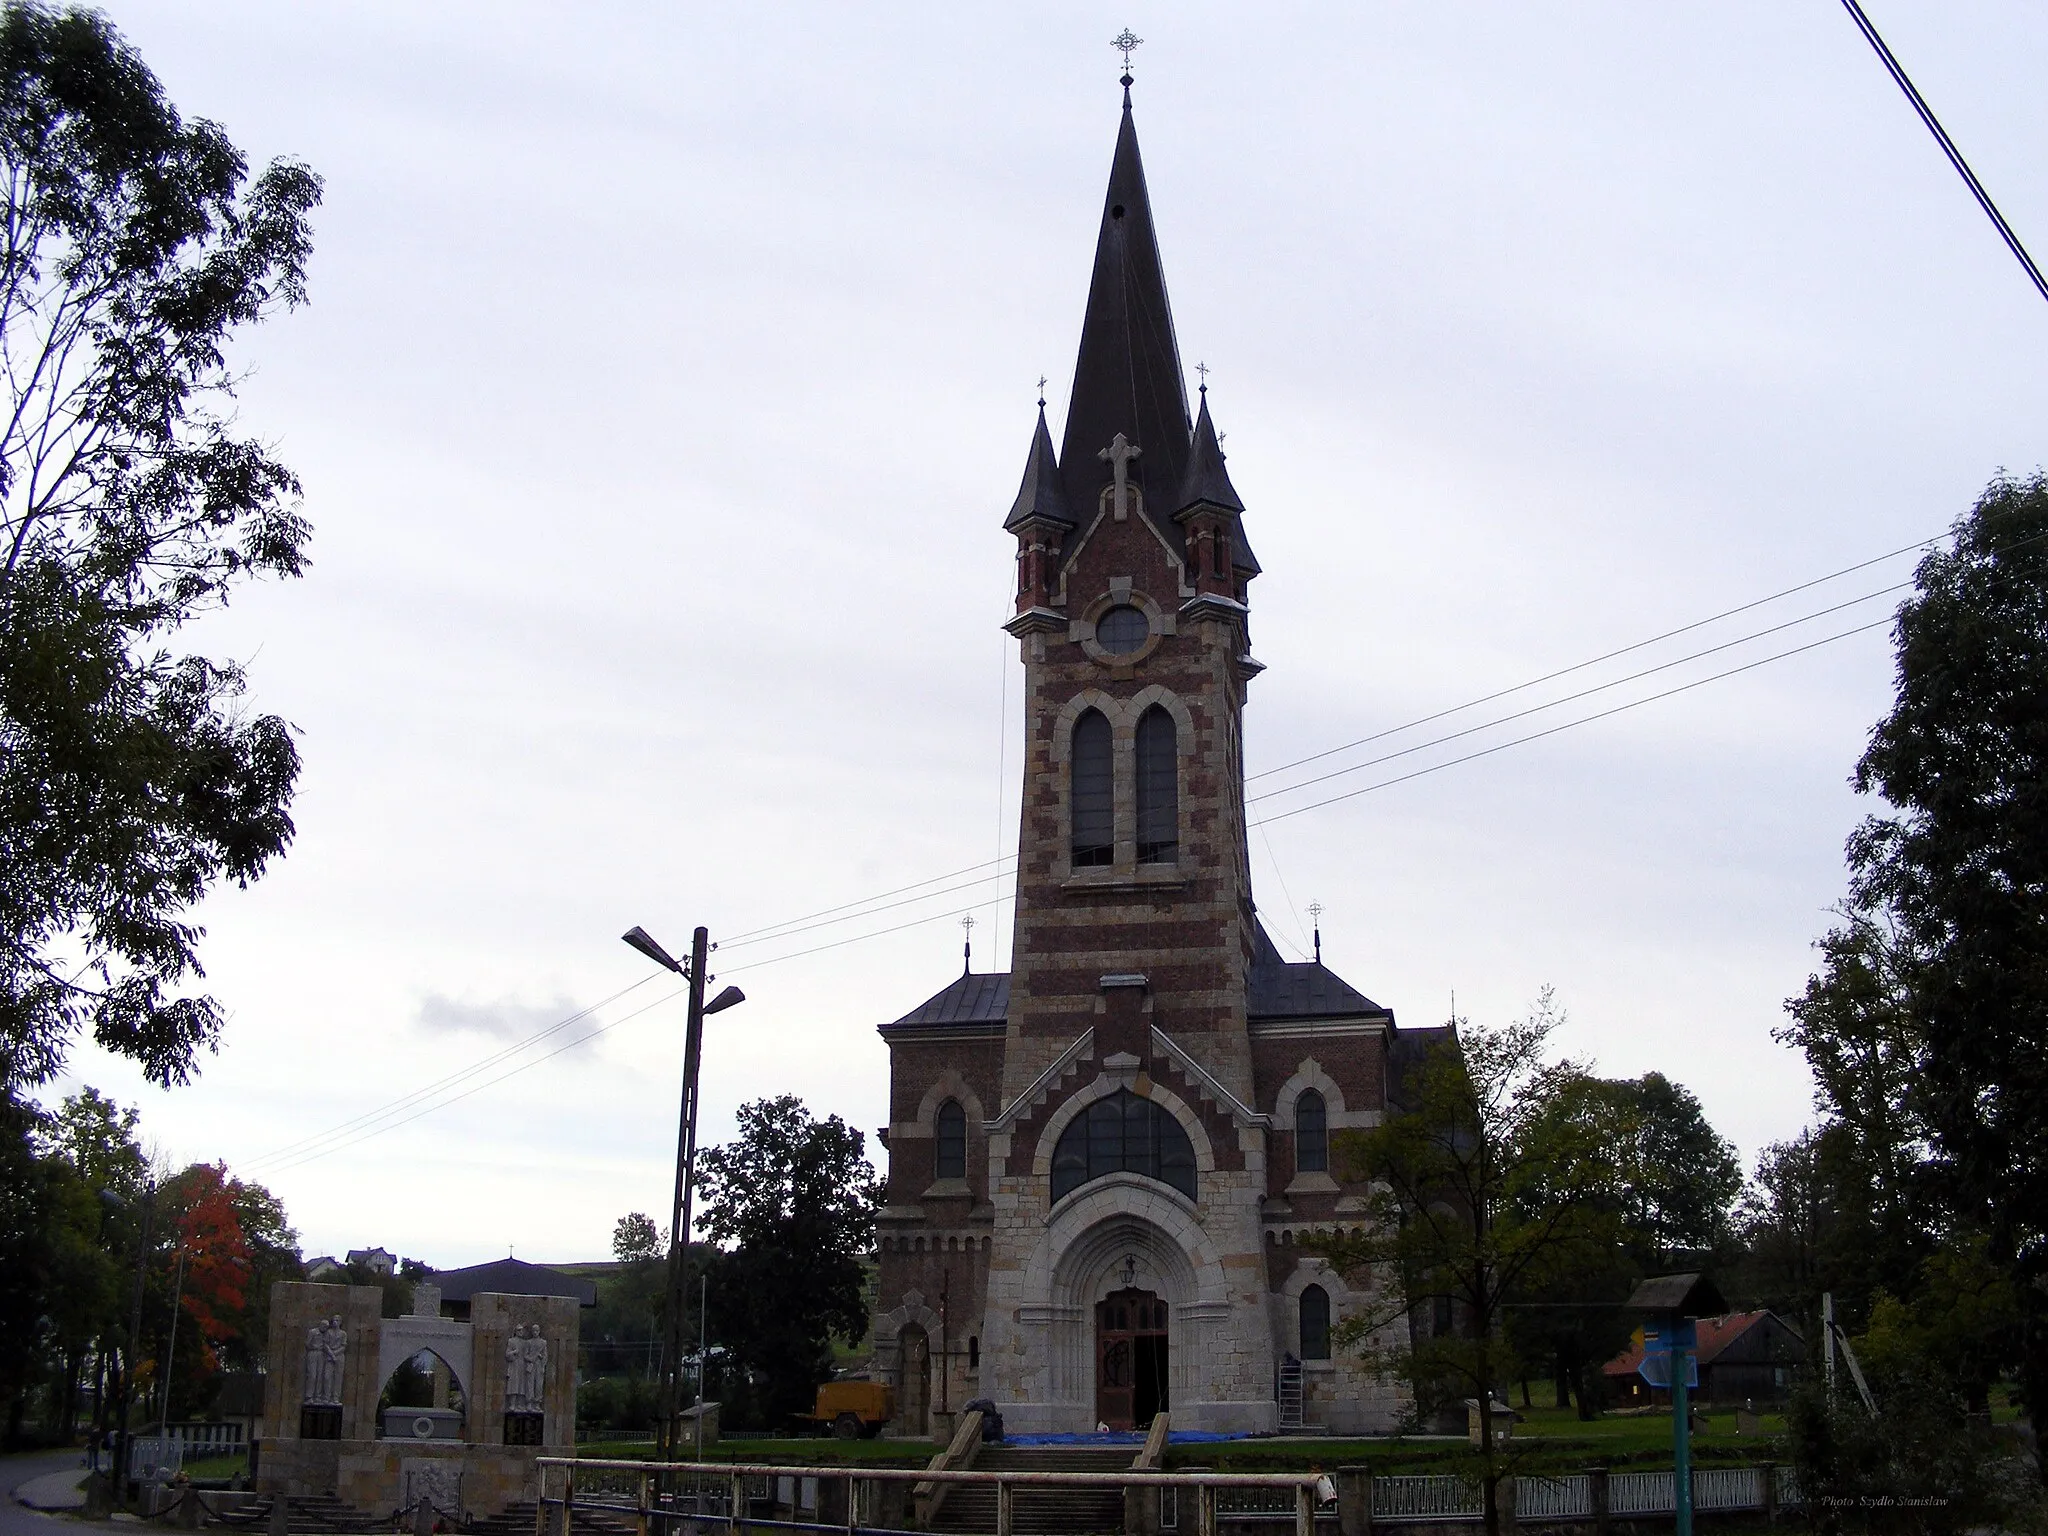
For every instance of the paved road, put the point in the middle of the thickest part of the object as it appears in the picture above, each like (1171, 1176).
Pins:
(16, 1470)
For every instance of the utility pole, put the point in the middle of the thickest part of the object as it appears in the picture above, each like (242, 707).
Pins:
(120, 1477)
(703, 1322)
(163, 1423)
(1827, 1329)
(694, 972)
(679, 1223)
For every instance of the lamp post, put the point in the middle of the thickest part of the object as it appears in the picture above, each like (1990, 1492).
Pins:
(686, 1159)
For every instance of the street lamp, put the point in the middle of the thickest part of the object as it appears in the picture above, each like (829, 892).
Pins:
(686, 1162)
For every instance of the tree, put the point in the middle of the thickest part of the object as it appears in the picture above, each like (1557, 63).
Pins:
(620, 1332)
(1483, 1193)
(1675, 1180)
(1928, 1026)
(25, 1256)
(791, 1205)
(134, 247)
(99, 1179)
(637, 1240)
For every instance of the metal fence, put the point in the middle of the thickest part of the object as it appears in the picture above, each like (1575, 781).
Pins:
(672, 1498)
(207, 1439)
(668, 1497)
(1425, 1498)
(1443, 1499)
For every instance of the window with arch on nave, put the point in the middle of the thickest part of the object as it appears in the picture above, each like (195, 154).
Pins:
(1123, 1133)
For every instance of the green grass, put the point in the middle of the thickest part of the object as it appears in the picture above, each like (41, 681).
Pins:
(217, 1468)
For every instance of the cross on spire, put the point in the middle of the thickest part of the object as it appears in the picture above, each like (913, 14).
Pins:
(1120, 452)
(1203, 370)
(1315, 917)
(967, 947)
(1041, 391)
(1125, 41)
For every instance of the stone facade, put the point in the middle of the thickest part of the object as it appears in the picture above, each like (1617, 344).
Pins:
(1141, 983)
(472, 1473)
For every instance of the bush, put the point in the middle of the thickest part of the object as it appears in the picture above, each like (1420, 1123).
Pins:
(1921, 1466)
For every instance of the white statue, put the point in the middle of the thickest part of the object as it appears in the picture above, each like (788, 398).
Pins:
(326, 1344)
(536, 1371)
(515, 1372)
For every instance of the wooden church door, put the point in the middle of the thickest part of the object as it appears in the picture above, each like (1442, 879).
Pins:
(1130, 1359)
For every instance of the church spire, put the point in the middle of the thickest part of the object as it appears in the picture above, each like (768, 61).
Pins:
(1040, 496)
(1207, 482)
(1127, 376)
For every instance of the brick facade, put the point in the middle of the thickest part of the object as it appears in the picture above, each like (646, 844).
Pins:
(1140, 978)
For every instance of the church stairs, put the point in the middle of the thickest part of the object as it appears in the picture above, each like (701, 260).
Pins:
(971, 1507)
(321, 1512)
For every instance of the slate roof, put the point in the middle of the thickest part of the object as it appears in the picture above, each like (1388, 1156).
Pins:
(1041, 495)
(1299, 989)
(1127, 375)
(1280, 989)
(512, 1277)
(978, 997)
(1690, 1293)
(1405, 1053)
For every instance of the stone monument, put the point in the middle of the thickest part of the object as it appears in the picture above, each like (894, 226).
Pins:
(321, 1431)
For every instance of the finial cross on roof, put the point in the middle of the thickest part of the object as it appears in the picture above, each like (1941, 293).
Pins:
(1203, 370)
(1120, 452)
(1125, 41)
(1041, 389)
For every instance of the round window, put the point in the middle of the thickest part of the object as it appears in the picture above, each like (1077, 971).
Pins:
(1122, 630)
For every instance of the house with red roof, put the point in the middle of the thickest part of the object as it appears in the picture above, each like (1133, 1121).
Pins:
(1743, 1357)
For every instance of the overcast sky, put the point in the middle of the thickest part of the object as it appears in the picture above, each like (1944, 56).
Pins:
(668, 373)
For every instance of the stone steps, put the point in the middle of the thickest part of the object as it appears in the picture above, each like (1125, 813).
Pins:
(517, 1520)
(320, 1512)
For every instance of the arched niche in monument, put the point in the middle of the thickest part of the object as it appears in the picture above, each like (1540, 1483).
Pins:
(422, 1399)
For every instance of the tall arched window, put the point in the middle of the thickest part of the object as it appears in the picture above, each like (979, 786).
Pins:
(1311, 1133)
(1315, 1323)
(1093, 791)
(1123, 1133)
(952, 1138)
(1158, 789)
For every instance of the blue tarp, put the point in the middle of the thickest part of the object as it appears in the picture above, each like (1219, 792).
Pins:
(1124, 1437)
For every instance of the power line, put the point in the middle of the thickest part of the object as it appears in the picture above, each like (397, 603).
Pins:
(316, 1153)
(791, 930)
(1580, 666)
(379, 1120)
(1571, 698)
(396, 1105)
(1750, 666)
(754, 935)
(312, 1153)
(1948, 145)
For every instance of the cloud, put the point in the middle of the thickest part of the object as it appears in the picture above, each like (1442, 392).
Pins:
(504, 1019)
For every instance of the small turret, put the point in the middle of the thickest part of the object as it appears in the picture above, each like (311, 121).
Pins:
(1219, 561)
(1041, 520)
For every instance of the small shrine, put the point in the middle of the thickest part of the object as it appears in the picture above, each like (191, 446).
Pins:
(385, 1413)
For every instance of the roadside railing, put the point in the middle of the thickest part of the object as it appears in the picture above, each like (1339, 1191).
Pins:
(707, 1498)
(698, 1496)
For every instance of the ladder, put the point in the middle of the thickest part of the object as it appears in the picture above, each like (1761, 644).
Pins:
(1290, 1393)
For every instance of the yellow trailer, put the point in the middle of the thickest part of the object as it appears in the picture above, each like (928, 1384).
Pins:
(852, 1410)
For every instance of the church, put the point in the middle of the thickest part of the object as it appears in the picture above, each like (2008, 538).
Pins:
(1101, 1163)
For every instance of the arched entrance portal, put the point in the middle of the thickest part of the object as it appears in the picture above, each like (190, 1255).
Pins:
(1130, 1359)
